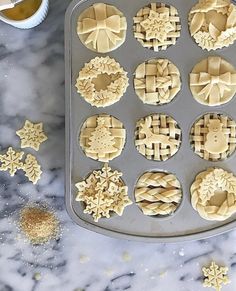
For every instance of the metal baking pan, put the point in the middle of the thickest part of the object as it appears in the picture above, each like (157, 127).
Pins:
(185, 224)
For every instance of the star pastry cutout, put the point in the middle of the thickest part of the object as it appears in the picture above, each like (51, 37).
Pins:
(157, 26)
(31, 135)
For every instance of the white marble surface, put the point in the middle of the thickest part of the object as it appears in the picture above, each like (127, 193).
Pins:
(32, 86)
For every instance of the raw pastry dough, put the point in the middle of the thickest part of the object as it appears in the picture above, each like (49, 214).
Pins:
(157, 81)
(102, 137)
(102, 28)
(213, 137)
(158, 193)
(102, 82)
(213, 194)
(157, 26)
(212, 24)
(213, 81)
(157, 137)
(103, 192)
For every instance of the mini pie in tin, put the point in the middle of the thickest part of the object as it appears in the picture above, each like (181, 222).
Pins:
(157, 137)
(213, 81)
(102, 27)
(157, 81)
(102, 82)
(102, 137)
(158, 193)
(213, 137)
(212, 23)
(157, 26)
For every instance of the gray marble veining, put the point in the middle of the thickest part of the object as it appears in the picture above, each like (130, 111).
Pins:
(32, 87)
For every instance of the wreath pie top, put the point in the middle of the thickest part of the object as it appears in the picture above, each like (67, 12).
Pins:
(102, 28)
(213, 194)
(212, 23)
(102, 82)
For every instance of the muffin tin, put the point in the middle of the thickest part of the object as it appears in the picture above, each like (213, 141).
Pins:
(185, 223)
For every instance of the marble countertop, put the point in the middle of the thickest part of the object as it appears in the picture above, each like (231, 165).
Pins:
(32, 87)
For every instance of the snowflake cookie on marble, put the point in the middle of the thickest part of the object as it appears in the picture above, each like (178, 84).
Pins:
(102, 137)
(157, 81)
(213, 194)
(213, 81)
(102, 27)
(157, 26)
(212, 23)
(31, 135)
(215, 276)
(102, 82)
(103, 192)
(158, 193)
(12, 161)
(213, 137)
(157, 137)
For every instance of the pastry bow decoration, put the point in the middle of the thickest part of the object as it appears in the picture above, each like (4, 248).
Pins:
(213, 82)
(102, 30)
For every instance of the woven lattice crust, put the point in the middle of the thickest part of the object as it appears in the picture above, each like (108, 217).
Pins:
(157, 137)
(157, 81)
(213, 137)
(157, 26)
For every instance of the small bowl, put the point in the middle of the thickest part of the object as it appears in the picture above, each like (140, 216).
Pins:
(32, 21)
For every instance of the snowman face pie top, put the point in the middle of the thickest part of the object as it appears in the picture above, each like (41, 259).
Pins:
(157, 81)
(102, 137)
(213, 137)
(102, 82)
(157, 137)
(212, 23)
(102, 28)
(213, 81)
(157, 26)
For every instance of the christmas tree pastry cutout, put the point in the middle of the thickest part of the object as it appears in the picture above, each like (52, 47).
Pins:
(12, 161)
(31, 135)
(215, 276)
(212, 23)
(102, 137)
(103, 192)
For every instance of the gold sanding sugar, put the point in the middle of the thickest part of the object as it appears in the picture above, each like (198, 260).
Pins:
(38, 224)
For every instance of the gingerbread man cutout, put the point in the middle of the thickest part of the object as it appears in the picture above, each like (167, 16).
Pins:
(216, 142)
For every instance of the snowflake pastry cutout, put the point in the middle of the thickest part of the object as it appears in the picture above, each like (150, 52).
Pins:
(102, 192)
(11, 161)
(31, 135)
(215, 276)
(157, 26)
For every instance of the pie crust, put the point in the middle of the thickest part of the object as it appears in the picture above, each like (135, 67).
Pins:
(157, 26)
(102, 82)
(102, 27)
(213, 194)
(102, 137)
(103, 192)
(158, 193)
(213, 81)
(212, 23)
(157, 81)
(213, 137)
(157, 137)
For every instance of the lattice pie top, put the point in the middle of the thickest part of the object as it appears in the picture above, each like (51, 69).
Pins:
(157, 81)
(102, 28)
(212, 23)
(158, 193)
(102, 137)
(157, 26)
(158, 137)
(213, 137)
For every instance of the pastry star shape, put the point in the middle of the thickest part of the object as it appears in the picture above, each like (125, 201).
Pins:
(31, 135)
(157, 26)
(215, 276)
